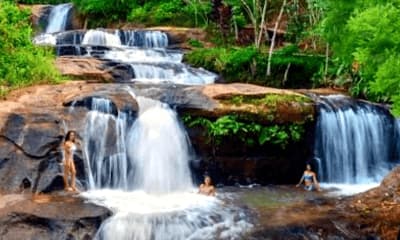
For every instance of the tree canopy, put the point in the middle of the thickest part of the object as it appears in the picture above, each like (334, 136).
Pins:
(366, 34)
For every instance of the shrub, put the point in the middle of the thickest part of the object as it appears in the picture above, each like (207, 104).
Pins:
(247, 64)
(21, 63)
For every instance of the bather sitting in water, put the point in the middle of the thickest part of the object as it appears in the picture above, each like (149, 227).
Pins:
(207, 188)
(310, 180)
(69, 148)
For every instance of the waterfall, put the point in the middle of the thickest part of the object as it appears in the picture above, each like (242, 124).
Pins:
(159, 149)
(147, 39)
(355, 142)
(140, 170)
(58, 18)
(144, 53)
(101, 38)
(105, 148)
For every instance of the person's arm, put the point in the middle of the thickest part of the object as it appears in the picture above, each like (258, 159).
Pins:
(301, 180)
(316, 182)
(200, 187)
(213, 192)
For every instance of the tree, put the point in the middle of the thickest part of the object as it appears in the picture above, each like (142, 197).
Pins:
(367, 34)
(256, 11)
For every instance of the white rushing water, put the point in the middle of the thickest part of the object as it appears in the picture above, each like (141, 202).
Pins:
(145, 52)
(57, 22)
(355, 143)
(101, 38)
(58, 18)
(141, 172)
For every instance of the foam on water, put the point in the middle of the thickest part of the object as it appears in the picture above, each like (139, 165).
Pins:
(341, 189)
(141, 216)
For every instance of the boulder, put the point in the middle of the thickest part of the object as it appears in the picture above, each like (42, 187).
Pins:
(83, 68)
(379, 208)
(49, 217)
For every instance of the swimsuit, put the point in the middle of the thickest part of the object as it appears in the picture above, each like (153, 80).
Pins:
(308, 177)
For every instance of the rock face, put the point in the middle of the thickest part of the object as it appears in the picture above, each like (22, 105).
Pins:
(40, 14)
(378, 209)
(49, 217)
(84, 68)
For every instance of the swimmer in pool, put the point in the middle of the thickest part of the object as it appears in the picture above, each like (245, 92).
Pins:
(310, 180)
(207, 188)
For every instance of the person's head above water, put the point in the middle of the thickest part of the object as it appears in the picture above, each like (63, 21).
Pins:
(70, 136)
(207, 180)
(308, 167)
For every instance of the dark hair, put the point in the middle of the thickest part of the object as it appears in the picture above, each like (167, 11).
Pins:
(68, 135)
(208, 176)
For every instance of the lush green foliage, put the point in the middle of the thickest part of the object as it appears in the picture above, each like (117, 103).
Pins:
(176, 12)
(104, 11)
(366, 34)
(21, 63)
(42, 1)
(231, 127)
(249, 65)
(152, 12)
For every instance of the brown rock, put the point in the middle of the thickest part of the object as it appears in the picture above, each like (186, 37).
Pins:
(256, 103)
(57, 216)
(83, 68)
(39, 13)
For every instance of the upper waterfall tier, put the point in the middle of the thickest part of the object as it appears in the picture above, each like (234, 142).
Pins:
(107, 37)
(58, 18)
(142, 53)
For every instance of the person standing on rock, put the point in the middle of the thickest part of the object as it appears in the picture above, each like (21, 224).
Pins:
(310, 180)
(69, 148)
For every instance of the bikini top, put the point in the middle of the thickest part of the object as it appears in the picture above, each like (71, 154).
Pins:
(308, 176)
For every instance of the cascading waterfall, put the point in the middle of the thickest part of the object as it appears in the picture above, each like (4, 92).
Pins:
(355, 141)
(147, 39)
(140, 171)
(57, 22)
(160, 167)
(101, 38)
(145, 53)
(58, 18)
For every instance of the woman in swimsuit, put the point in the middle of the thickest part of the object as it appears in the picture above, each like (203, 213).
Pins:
(310, 180)
(69, 148)
(207, 188)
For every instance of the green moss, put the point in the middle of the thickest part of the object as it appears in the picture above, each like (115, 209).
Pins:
(271, 100)
(269, 107)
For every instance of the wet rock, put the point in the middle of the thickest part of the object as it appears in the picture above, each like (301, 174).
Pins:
(84, 68)
(39, 15)
(50, 217)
